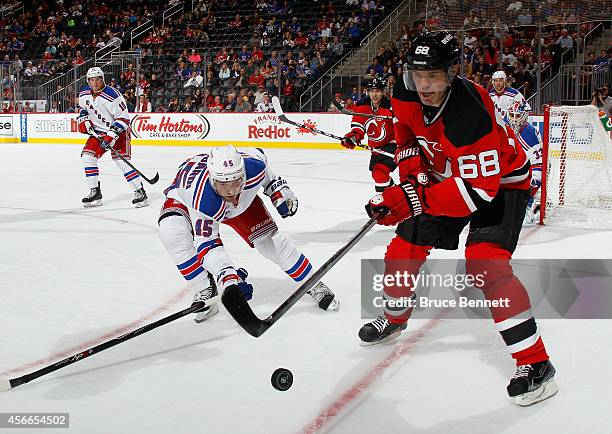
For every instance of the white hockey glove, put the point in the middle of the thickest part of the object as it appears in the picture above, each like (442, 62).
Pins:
(283, 199)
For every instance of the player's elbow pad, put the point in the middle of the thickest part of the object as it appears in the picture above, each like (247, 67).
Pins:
(474, 197)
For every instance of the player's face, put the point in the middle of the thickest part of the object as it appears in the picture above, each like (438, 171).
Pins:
(229, 190)
(431, 86)
(376, 95)
(499, 84)
(96, 83)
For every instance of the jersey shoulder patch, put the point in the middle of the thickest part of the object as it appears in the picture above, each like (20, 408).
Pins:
(467, 106)
(255, 171)
(511, 90)
(111, 91)
(86, 90)
(207, 201)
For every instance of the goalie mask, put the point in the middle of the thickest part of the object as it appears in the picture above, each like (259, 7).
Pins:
(517, 115)
(430, 62)
(226, 171)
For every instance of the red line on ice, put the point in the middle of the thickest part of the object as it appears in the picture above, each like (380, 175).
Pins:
(326, 416)
(93, 342)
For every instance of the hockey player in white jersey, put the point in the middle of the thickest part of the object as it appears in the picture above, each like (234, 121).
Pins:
(504, 96)
(529, 138)
(221, 187)
(104, 117)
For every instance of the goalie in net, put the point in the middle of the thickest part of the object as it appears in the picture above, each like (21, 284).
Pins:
(577, 182)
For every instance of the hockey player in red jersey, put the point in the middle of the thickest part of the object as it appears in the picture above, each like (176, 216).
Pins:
(458, 165)
(380, 132)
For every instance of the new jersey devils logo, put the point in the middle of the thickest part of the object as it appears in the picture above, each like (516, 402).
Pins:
(375, 129)
(438, 161)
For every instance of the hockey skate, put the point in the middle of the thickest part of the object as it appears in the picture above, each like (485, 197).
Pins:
(94, 198)
(378, 331)
(202, 295)
(140, 200)
(324, 297)
(532, 383)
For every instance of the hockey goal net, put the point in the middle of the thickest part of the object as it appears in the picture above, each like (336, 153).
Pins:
(577, 163)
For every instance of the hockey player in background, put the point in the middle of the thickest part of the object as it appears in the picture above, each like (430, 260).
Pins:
(221, 187)
(464, 169)
(529, 138)
(504, 96)
(104, 117)
(379, 131)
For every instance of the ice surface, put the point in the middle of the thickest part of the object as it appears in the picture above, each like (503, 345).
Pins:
(73, 277)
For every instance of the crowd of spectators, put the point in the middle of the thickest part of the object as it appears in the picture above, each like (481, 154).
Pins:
(285, 51)
(48, 38)
(227, 56)
(491, 44)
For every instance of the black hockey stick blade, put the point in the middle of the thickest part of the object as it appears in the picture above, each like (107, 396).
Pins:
(239, 308)
(6, 383)
(352, 113)
(150, 181)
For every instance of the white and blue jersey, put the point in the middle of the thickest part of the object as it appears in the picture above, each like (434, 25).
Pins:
(192, 187)
(105, 109)
(529, 138)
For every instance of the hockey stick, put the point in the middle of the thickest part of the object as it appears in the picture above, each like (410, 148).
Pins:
(118, 155)
(6, 383)
(365, 115)
(237, 306)
(281, 115)
(150, 181)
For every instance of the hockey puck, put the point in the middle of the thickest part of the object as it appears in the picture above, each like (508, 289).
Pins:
(282, 379)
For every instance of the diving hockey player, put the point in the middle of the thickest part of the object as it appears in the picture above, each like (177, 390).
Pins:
(221, 187)
(104, 117)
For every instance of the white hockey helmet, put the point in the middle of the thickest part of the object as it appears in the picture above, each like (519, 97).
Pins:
(95, 72)
(225, 165)
(498, 74)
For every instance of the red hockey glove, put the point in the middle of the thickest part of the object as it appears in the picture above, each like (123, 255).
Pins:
(84, 125)
(350, 140)
(109, 139)
(396, 204)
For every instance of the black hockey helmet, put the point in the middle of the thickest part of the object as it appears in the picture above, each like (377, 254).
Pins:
(430, 53)
(377, 82)
(433, 50)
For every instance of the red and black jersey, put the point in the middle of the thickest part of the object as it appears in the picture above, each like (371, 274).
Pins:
(380, 132)
(466, 150)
